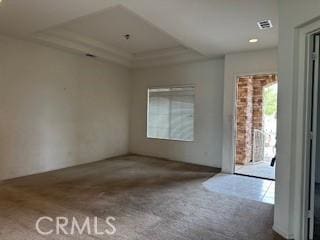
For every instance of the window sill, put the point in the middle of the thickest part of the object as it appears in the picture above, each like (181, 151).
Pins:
(172, 140)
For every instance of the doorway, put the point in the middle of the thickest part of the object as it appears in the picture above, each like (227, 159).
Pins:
(256, 125)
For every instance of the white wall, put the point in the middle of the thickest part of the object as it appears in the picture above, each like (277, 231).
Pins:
(240, 64)
(293, 13)
(208, 80)
(58, 109)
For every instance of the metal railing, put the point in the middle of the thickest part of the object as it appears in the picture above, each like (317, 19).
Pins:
(258, 146)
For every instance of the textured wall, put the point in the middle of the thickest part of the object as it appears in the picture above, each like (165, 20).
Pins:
(207, 77)
(58, 109)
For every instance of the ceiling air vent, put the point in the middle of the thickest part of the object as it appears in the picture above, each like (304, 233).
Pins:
(265, 24)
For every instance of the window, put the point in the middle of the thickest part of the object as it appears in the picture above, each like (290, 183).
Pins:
(171, 113)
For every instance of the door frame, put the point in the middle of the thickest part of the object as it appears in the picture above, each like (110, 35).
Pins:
(234, 118)
(302, 134)
(311, 128)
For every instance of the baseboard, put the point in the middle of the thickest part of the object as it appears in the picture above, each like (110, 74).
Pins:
(62, 167)
(214, 169)
(281, 233)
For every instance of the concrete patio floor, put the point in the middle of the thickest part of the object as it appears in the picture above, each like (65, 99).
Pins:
(260, 169)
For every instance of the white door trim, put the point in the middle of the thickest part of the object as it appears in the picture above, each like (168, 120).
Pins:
(301, 117)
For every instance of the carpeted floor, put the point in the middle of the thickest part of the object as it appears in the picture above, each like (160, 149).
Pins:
(151, 199)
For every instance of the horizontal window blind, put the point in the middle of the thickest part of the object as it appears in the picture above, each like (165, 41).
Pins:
(171, 113)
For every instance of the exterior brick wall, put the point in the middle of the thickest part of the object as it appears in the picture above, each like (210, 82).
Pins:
(249, 112)
(244, 119)
(259, 82)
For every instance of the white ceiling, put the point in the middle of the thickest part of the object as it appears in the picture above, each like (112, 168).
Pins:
(25, 17)
(212, 27)
(208, 27)
(111, 25)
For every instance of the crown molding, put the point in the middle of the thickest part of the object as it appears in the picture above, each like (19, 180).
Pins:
(78, 44)
(72, 42)
(169, 52)
(68, 35)
(164, 57)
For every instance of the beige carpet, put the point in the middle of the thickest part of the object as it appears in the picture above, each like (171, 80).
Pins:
(151, 199)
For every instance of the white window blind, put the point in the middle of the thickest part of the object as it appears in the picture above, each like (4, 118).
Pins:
(171, 113)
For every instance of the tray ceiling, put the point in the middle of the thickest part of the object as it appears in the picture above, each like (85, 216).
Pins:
(160, 30)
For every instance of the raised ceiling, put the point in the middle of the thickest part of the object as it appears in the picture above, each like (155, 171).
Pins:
(160, 29)
(110, 27)
(212, 27)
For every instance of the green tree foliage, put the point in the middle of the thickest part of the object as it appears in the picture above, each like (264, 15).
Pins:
(270, 100)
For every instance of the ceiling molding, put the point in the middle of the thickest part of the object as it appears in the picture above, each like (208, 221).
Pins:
(69, 41)
(166, 57)
(212, 28)
(75, 43)
(169, 52)
(68, 35)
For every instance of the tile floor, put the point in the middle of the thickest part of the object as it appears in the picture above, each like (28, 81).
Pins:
(243, 187)
(261, 169)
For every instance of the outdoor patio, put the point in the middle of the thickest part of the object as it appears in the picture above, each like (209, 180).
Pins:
(258, 169)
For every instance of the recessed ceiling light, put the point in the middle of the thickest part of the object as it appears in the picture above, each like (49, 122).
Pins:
(254, 40)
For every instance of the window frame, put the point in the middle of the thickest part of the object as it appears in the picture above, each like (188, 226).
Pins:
(194, 111)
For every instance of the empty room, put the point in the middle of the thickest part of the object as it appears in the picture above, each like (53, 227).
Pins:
(159, 119)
